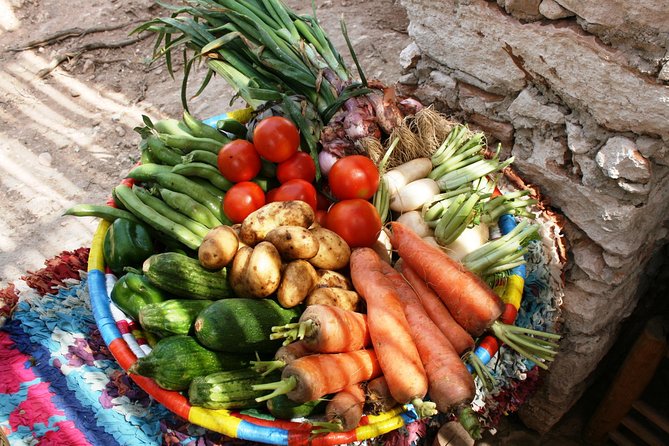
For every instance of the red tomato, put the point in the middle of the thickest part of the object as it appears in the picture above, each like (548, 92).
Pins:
(242, 199)
(270, 195)
(297, 190)
(356, 221)
(323, 202)
(276, 138)
(353, 176)
(321, 216)
(238, 161)
(301, 165)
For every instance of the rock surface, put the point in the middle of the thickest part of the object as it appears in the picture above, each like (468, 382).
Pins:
(581, 105)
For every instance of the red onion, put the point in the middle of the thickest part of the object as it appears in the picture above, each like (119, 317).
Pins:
(326, 160)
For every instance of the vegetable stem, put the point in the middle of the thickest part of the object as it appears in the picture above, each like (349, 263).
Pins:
(281, 387)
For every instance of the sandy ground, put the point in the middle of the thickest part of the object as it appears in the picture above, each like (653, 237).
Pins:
(67, 137)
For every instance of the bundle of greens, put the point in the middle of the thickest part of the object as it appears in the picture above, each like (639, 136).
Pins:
(270, 54)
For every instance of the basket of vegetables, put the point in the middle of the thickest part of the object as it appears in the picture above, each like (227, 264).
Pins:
(327, 265)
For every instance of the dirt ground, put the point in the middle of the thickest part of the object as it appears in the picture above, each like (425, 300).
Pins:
(66, 136)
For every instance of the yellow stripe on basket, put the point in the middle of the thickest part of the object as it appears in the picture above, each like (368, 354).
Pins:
(217, 420)
(513, 293)
(379, 428)
(96, 259)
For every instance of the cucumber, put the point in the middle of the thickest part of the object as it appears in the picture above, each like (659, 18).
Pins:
(184, 277)
(173, 316)
(176, 360)
(242, 325)
(228, 390)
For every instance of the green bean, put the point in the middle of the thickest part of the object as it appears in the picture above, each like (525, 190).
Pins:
(203, 170)
(155, 219)
(100, 211)
(147, 172)
(164, 209)
(381, 200)
(189, 207)
(180, 183)
(189, 143)
(201, 156)
(161, 153)
(202, 130)
(215, 191)
(172, 127)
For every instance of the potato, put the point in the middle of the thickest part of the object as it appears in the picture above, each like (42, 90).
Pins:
(346, 299)
(237, 227)
(263, 272)
(278, 213)
(237, 272)
(293, 242)
(218, 247)
(333, 252)
(297, 281)
(332, 279)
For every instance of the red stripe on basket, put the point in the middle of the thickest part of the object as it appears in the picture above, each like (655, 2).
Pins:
(280, 424)
(123, 327)
(173, 401)
(335, 438)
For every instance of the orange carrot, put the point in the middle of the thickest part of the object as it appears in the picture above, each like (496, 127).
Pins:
(388, 327)
(451, 386)
(379, 398)
(435, 308)
(311, 377)
(470, 301)
(345, 408)
(327, 329)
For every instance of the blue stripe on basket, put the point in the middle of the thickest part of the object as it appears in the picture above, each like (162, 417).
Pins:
(63, 398)
(506, 224)
(214, 120)
(263, 434)
(99, 303)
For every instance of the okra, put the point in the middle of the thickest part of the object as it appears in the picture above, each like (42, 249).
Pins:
(155, 219)
(189, 207)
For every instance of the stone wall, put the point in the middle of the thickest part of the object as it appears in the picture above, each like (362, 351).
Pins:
(577, 91)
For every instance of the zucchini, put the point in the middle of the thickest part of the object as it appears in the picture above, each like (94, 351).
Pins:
(284, 408)
(173, 316)
(176, 360)
(242, 325)
(228, 390)
(183, 276)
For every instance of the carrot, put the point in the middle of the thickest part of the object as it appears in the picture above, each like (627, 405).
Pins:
(283, 356)
(451, 386)
(435, 308)
(469, 299)
(327, 329)
(344, 411)
(389, 330)
(379, 399)
(311, 377)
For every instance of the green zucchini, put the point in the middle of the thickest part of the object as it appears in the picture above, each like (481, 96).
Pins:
(183, 276)
(176, 360)
(284, 408)
(242, 325)
(228, 390)
(173, 316)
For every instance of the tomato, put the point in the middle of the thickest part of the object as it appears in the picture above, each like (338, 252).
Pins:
(353, 176)
(321, 216)
(238, 161)
(297, 190)
(276, 138)
(301, 165)
(242, 199)
(323, 202)
(356, 221)
(270, 195)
